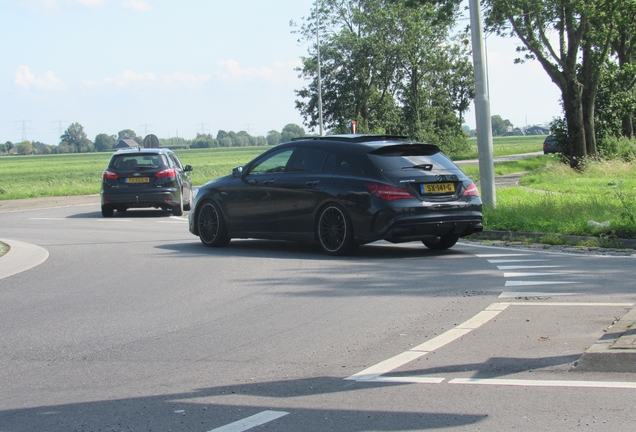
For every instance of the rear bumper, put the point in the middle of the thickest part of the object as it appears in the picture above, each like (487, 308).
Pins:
(165, 198)
(416, 229)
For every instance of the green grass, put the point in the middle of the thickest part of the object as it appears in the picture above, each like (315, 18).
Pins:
(504, 146)
(80, 174)
(4, 248)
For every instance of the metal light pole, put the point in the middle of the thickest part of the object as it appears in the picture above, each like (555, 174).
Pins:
(482, 109)
(320, 131)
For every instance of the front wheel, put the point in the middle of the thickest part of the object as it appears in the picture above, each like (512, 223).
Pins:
(441, 243)
(211, 226)
(188, 206)
(335, 233)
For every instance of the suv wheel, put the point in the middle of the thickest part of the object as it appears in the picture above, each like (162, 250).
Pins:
(178, 209)
(107, 211)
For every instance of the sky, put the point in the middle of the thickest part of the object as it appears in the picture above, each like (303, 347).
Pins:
(178, 68)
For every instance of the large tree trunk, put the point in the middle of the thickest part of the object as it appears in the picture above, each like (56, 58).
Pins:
(573, 107)
(588, 122)
(628, 126)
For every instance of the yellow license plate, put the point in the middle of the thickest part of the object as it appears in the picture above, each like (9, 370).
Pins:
(138, 180)
(438, 188)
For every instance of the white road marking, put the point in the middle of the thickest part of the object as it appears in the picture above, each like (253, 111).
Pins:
(114, 220)
(512, 294)
(498, 255)
(531, 274)
(572, 304)
(43, 218)
(407, 380)
(251, 422)
(499, 261)
(525, 267)
(543, 383)
(529, 283)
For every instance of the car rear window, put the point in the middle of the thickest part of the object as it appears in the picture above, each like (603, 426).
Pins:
(138, 161)
(417, 156)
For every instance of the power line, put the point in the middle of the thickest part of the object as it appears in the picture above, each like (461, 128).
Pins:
(59, 126)
(23, 128)
(145, 126)
(203, 127)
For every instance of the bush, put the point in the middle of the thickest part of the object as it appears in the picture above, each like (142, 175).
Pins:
(618, 148)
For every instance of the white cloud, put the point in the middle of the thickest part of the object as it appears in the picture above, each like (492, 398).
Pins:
(275, 75)
(137, 5)
(25, 79)
(148, 79)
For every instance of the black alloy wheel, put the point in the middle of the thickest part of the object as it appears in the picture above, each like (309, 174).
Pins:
(441, 243)
(211, 226)
(334, 231)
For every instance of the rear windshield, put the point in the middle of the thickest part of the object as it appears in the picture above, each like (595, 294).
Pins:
(422, 157)
(135, 161)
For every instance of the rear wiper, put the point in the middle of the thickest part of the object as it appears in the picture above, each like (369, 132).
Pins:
(425, 167)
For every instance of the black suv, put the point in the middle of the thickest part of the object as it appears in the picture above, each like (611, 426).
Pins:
(151, 177)
(341, 191)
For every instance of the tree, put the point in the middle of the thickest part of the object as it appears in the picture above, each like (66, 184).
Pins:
(75, 137)
(273, 137)
(24, 148)
(129, 134)
(105, 142)
(291, 131)
(584, 29)
(499, 125)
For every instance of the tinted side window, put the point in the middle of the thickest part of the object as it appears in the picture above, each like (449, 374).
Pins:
(340, 165)
(275, 162)
(175, 161)
(308, 159)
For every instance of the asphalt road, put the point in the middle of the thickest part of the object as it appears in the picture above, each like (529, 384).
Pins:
(132, 324)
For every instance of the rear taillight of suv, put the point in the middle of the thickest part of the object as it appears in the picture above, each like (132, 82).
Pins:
(471, 190)
(169, 173)
(109, 175)
(388, 192)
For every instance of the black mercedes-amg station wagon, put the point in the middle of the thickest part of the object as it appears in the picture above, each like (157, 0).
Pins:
(341, 191)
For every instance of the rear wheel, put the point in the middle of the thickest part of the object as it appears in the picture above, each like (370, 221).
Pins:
(334, 231)
(178, 209)
(441, 243)
(188, 206)
(107, 211)
(211, 226)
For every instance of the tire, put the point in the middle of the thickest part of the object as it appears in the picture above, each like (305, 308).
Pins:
(107, 211)
(178, 209)
(441, 243)
(188, 205)
(211, 226)
(334, 231)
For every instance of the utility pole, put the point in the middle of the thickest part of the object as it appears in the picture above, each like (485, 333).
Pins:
(482, 110)
(59, 126)
(23, 128)
(248, 128)
(202, 127)
(145, 126)
(320, 130)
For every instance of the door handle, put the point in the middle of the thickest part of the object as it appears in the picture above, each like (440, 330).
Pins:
(268, 182)
(312, 183)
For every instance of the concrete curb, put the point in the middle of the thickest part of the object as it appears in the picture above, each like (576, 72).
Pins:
(615, 351)
(21, 257)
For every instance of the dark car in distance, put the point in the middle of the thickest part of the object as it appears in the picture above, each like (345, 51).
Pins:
(550, 145)
(151, 177)
(341, 191)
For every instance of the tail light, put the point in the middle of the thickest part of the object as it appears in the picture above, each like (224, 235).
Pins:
(169, 173)
(471, 190)
(387, 192)
(109, 175)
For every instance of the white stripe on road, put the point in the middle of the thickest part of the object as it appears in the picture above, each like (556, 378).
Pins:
(251, 422)
(529, 283)
(528, 274)
(524, 267)
(499, 261)
(498, 255)
(544, 383)
(512, 294)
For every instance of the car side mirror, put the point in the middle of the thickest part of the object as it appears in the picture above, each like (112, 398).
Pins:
(188, 168)
(237, 171)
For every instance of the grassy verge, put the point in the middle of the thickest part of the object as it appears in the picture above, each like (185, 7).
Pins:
(4, 248)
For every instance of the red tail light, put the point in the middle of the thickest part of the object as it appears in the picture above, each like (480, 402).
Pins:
(169, 173)
(109, 175)
(471, 190)
(387, 192)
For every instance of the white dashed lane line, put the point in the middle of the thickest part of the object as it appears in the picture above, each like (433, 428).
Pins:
(251, 422)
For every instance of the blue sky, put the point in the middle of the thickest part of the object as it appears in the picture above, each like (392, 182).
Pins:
(180, 67)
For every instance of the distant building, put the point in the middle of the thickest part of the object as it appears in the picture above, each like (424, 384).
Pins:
(537, 130)
(127, 143)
